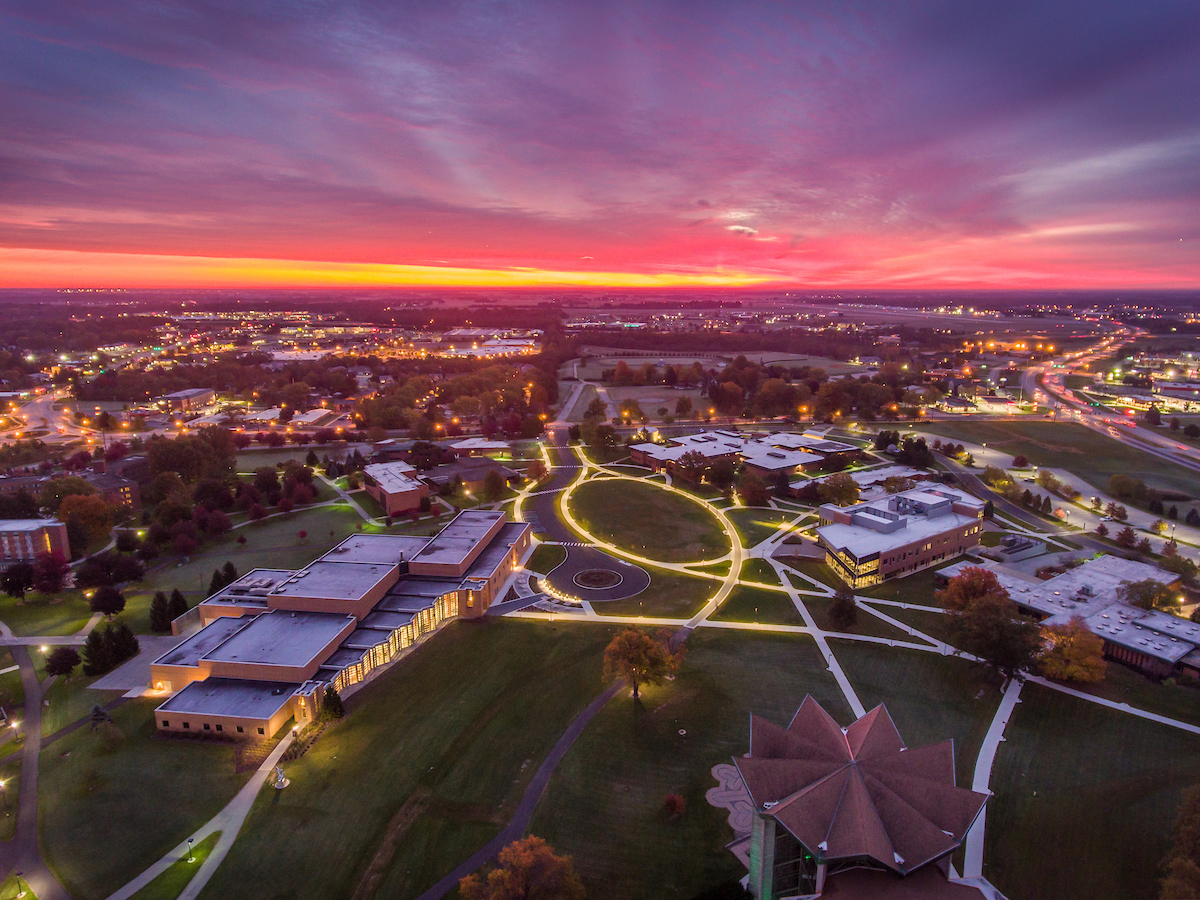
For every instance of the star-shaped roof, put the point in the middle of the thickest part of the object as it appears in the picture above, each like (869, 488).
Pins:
(858, 791)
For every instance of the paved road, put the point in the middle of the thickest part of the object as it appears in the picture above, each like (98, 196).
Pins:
(544, 507)
(21, 854)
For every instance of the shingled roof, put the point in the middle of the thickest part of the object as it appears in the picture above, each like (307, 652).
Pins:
(858, 791)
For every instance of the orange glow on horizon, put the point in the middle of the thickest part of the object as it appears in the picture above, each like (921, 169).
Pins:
(26, 268)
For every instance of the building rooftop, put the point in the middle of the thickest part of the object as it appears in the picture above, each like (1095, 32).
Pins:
(780, 450)
(387, 549)
(187, 393)
(230, 697)
(497, 550)
(200, 644)
(1090, 592)
(854, 792)
(279, 638)
(27, 524)
(480, 444)
(393, 477)
(334, 580)
(454, 544)
(899, 519)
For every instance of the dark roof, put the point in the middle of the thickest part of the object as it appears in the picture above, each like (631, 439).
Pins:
(858, 791)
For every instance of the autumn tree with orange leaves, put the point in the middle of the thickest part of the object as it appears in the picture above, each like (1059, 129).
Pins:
(527, 869)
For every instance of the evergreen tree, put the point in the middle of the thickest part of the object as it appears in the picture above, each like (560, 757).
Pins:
(229, 572)
(160, 613)
(97, 657)
(100, 717)
(123, 643)
(177, 606)
(215, 583)
(989, 510)
(842, 611)
(331, 705)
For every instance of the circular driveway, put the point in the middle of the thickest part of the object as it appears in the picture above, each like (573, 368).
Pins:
(634, 579)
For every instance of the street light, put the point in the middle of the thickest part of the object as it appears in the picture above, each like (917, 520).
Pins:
(190, 858)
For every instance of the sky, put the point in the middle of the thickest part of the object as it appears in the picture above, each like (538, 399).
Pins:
(853, 144)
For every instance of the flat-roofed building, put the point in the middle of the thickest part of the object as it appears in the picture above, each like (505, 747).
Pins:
(188, 400)
(356, 608)
(395, 486)
(21, 540)
(1153, 642)
(235, 708)
(478, 446)
(767, 455)
(898, 534)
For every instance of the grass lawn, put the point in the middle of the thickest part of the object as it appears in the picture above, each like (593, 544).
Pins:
(1076, 448)
(12, 887)
(71, 700)
(10, 777)
(368, 503)
(107, 814)
(270, 543)
(1122, 685)
(815, 569)
(936, 625)
(461, 750)
(12, 691)
(759, 570)
(721, 568)
(63, 613)
(604, 802)
(756, 525)
(670, 594)
(915, 588)
(170, 884)
(992, 538)
(1105, 784)
(631, 514)
(251, 460)
(818, 608)
(930, 697)
(703, 491)
(546, 557)
(747, 604)
(586, 396)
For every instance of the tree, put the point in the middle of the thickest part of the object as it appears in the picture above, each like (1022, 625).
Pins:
(62, 661)
(107, 600)
(50, 570)
(638, 658)
(721, 475)
(991, 628)
(90, 511)
(536, 470)
(1126, 538)
(527, 869)
(99, 718)
(1148, 594)
(177, 605)
(1182, 863)
(1102, 530)
(970, 584)
(842, 611)
(683, 407)
(17, 579)
(1153, 416)
(753, 490)
(160, 613)
(58, 489)
(840, 489)
(1071, 652)
(597, 409)
(331, 705)
(674, 806)
(1192, 431)
(493, 486)
(1020, 462)
(1170, 549)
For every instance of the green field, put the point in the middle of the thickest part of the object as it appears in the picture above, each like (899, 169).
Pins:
(815, 569)
(63, 613)
(915, 588)
(458, 750)
(670, 595)
(1105, 784)
(170, 884)
(546, 557)
(71, 700)
(747, 604)
(759, 570)
(1068, 445)
(630, 514)
(756, 525)
(107, 814)
(818, 608)
(604, 802)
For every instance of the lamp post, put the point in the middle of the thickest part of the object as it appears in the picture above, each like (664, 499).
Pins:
(21, 885)
(190, 857)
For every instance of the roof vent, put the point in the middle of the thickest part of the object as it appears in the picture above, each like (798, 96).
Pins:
(899, 859)
(824, 845)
